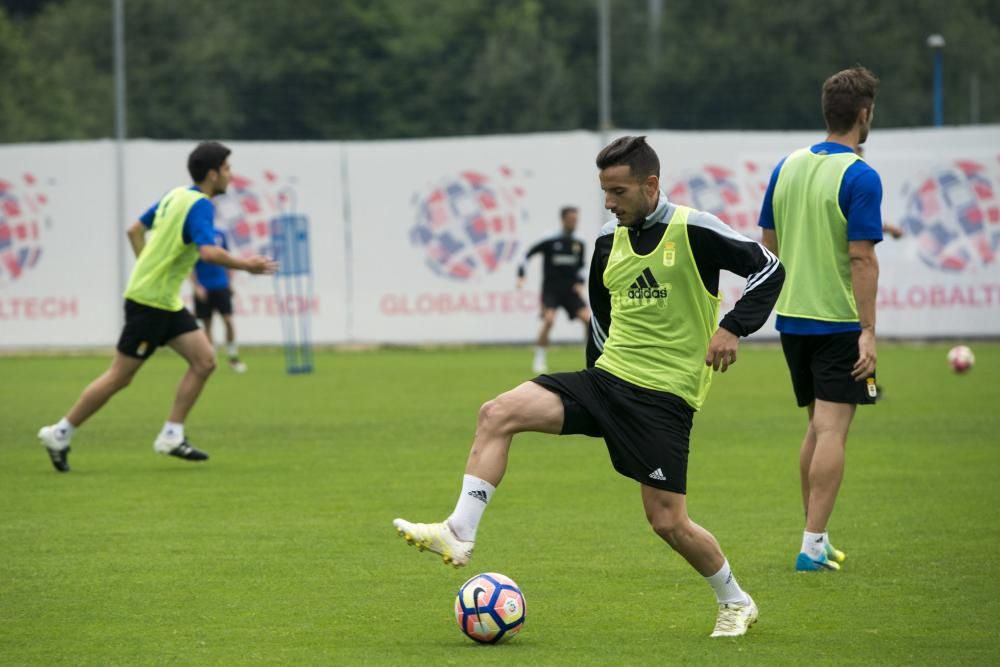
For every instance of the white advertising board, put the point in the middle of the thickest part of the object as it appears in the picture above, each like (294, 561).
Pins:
(419, 241)
(58, 245)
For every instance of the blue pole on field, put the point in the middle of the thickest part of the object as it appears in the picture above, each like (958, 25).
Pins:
(936, 43)
(293, 287)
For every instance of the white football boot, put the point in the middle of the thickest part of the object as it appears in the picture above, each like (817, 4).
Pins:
(735, 618)
(436, 537)
(57, 447)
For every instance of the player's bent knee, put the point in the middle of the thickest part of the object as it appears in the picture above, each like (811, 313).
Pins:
(122, 380)
(204, 366)
(672, 534)
(492, 415)
(501, 415)
(669, 526)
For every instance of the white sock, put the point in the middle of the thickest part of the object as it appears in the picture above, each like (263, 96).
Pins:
(476, 494)
(539, 352)
(233, 350)
(725, 586)
(813, 544)
(173, 431)
(64, 429)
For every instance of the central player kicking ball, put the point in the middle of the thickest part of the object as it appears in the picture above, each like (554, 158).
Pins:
(654, 284)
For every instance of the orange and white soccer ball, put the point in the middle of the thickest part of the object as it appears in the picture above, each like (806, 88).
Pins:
(961, 359)
(489, 608)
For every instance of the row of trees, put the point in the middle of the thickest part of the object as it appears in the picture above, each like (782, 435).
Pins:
(346, 69)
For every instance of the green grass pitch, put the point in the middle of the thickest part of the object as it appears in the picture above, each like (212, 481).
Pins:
(280, 549)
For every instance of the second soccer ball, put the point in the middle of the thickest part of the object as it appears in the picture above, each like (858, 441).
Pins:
(961, 358)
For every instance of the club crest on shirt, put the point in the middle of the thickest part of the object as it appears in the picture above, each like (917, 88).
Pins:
(668, 253)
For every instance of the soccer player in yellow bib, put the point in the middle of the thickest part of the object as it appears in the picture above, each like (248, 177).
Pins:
(655, 339)
(822, 215)
(181, 230)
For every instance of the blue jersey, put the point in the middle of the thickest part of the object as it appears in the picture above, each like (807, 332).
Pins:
(213, 276)
(199, 226)
(860, 200)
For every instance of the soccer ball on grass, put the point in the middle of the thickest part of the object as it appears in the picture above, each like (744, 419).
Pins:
(489, 608)
(961, 359)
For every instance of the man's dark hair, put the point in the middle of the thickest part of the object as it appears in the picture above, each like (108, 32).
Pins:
(845, 94)
(566, 210)
(633, 151)
(206, 156)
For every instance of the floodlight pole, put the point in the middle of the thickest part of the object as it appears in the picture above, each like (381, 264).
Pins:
(655, 15)
(604, 66)
(603, 79)
(974, 98)
(936, 43)
(121, 132)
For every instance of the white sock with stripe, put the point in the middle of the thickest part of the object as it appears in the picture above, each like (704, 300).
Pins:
(472, 502)
(725, 585)
(64, 429)
(173, 431)
(813, 544)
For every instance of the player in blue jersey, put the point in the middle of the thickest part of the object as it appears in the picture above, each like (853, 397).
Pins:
(895, 231)
(213, 293)
(180, 230)
(821, 215)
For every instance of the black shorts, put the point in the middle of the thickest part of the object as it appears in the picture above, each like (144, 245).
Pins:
(217, 300)
(565, 297)
(147, 328)
(821, 368)
(646, 431)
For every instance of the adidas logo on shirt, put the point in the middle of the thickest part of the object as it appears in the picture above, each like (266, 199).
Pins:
(646, 287)
(658, 474)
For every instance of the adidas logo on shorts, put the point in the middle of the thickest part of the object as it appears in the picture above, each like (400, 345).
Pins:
(658, 474)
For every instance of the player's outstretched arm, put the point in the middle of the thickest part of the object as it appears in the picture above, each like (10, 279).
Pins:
(256, 264)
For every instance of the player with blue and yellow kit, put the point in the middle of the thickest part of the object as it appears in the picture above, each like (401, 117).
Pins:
(822, 216)
(180, 229)
(213, 293)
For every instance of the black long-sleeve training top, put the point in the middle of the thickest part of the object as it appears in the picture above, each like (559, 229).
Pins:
(716, 247)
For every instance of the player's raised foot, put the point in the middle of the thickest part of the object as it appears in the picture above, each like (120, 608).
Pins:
(834, 554)
(436, 537)
(237, 365)
(735, 618)
(182, 449)
(56, 447)
(806, 563)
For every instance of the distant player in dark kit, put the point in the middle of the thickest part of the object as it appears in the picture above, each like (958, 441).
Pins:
(562, 280)
(180, 229)
(213, 293)
(655, 340)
